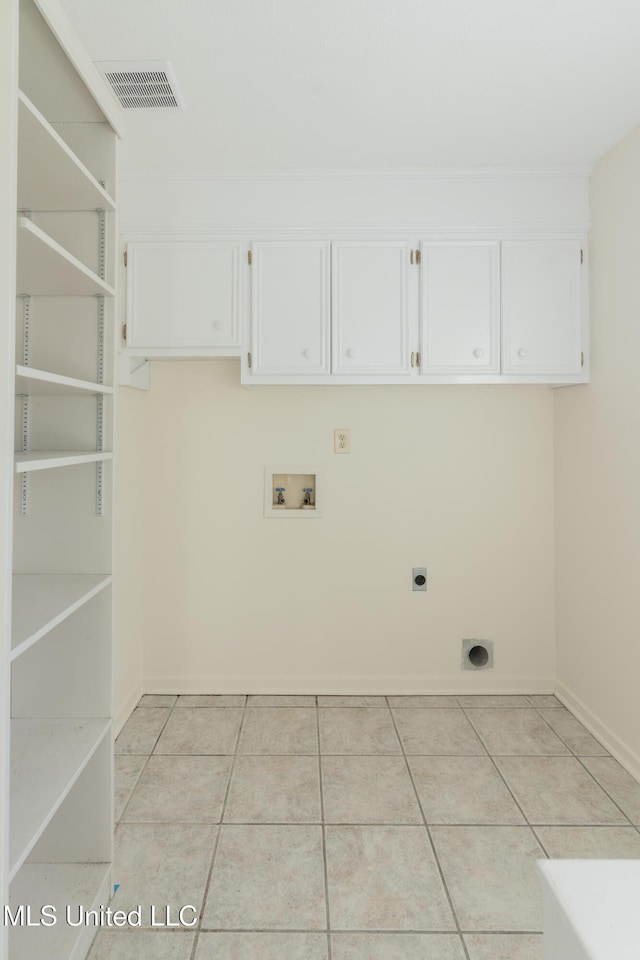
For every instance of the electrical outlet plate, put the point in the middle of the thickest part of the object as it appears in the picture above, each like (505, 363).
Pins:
(419, 572)
(342, 440)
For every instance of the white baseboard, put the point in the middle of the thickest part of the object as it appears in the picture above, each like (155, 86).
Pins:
(611, 741)
(468, 682)
(122, 711)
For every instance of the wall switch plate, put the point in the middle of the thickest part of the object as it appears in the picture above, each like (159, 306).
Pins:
(419, 578)
(342, 440)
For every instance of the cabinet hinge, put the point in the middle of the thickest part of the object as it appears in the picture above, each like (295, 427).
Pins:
(249, 257)
(411, 258)
(124, 257)
(418, 256)
(582, 358)
(413, 359)
(581, 255)
(249, 360)
(418, 359)
(124, 332)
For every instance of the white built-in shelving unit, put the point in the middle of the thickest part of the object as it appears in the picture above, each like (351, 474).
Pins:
(58, 653)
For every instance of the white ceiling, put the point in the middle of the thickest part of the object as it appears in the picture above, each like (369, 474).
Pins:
(376, 84)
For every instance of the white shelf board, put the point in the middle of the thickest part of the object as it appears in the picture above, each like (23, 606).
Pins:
(48, 459)
(46, 268)
(47, 757)
(32, 382)
(42, 601)
(67, 185)
(57, 884)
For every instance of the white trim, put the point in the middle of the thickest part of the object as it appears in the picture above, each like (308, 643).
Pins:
(410, 173)
(183, 353)
(61, 28)
(409, 685)
(122, 711)
(422, 380)
(610, 740)
(139, 232)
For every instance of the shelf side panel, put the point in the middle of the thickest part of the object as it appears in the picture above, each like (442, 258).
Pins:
(69, 184)
(41, 602)
(63, 534)
(81, 831)
(68, 672)
(58, 884)
(64, 336)
(46, 268)
(47, 757)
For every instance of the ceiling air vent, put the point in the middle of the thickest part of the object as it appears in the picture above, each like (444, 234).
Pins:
(143, 85)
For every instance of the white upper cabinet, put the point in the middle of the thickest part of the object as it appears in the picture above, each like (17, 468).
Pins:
(460, 307)
(184, 296)
(541, 313)
(370, 308)
(290, 308)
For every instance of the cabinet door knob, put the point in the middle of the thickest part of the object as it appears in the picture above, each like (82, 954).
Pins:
(217, 325)
(308, 353)
(351, 354)
(478, 352)
(522, 352)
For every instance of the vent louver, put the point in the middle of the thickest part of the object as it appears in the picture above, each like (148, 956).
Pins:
(146, 85)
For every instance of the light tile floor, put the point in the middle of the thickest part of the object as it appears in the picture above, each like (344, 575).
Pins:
(355, 828)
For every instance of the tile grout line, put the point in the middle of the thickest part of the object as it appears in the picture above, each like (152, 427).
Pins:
(207, 885)
(128, 800)
(541, 844)
(531, 824)
(512, 794)
(120, 821)
(629, 822)
(430, 839)
(397, 753)
(324, 837)
(147, 757)
(406, 824)
(145, 753)
(575, 756)
(571, 754)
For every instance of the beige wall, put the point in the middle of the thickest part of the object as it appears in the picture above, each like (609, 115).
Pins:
(597, 442)
(458, 479)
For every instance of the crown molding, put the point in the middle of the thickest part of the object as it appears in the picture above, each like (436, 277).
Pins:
(431, 173)
(137, 230)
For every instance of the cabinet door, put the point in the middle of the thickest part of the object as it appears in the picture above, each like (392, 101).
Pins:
(370, 308)
(460, 313)
(541, 307)
(290, 307)
(184, 294)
